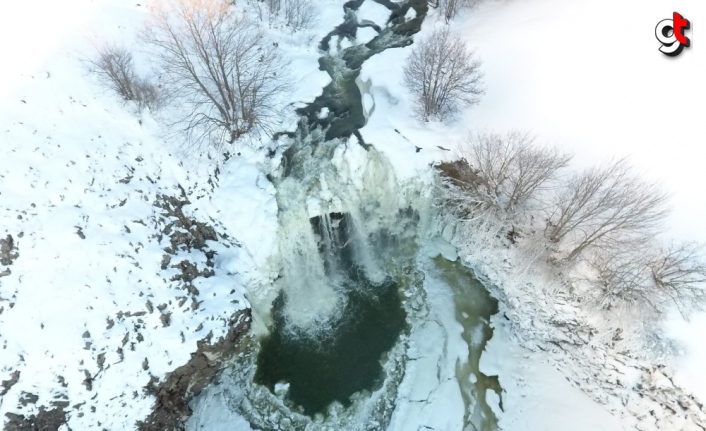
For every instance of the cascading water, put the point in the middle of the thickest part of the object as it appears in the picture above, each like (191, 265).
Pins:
(311, 298)
(350, 296)
(312, 266)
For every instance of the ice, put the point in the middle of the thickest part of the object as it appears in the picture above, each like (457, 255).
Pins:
(535, 395)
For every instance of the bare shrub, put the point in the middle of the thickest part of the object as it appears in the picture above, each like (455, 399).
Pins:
(299, 14)
(510, 169)
(443, 76)
(603, 205)
(622, 282)
(274, 6)
(114, 67)
(219, 68)
(678, 272)
(296, 14)
(644, 279)
(451, 8)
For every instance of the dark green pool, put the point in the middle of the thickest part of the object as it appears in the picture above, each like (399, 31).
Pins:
(338, 364)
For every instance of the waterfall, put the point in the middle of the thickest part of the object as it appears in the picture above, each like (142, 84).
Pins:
(331, 243)
(362, 249)
(311, 298)
(329, 207)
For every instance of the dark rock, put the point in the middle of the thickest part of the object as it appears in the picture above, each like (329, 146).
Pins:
(7, 384)
(8, 251)
(193, 234)
(171, 409)
(100, 360)
(28, 398)
(88, 381)
(44, 420)
(165, 319)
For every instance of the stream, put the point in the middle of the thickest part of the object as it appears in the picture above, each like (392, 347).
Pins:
(345, 342)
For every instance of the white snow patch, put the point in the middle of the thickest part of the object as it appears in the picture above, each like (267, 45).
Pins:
(535, 395)
(375, 12)
(365, 34)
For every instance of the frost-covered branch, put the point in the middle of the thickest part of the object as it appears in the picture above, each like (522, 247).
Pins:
(602, 205)
(220, 70)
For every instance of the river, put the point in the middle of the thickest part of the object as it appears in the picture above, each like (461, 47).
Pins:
(345, 321)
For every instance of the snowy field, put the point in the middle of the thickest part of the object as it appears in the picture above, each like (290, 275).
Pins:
(561, 71)
(585, 75)
(90, 311)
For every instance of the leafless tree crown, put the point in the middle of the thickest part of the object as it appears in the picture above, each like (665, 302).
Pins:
(604, 204)
(219, 68)
(510, 169)
(450, 8)
(607, 215)
(443, 76)
(115, 69)
(295, 14)
(650, 279)
(299, 14)
(678, 272)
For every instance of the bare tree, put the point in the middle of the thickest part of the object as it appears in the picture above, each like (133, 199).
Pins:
(603, 205)
(678, 272)
(115, 69)
(645, 279)
(511, 170)
(623, 281)
(451, 8)
(296, 14)
(443, 76)
(299, 14)
(220, 68)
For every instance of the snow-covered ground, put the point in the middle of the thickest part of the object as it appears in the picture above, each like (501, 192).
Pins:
(80, 173)
(90, 311)
(560, 71)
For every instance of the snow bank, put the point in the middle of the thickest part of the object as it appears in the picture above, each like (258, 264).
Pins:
(535, 395)
(90, 310)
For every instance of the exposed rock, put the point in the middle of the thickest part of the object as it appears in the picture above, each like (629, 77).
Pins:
(165, 319)
(27, 398)
(8, 251)
(460, 174)
(184, 233)
(7, 384)
(44, 420)
(189, 272)
(173, 395)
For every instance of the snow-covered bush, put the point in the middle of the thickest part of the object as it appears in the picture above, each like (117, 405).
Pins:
(114, 67)
(511, 170)
(503, 189)
(603, 206)
(221, 71)
(443, 76)
(642, 282)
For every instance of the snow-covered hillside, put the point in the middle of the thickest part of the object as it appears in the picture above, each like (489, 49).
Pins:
(122, 255)
(554, 69)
